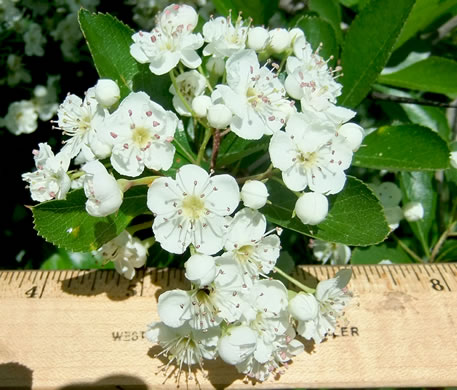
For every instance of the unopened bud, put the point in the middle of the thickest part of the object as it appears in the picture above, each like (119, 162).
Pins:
(311, 208)
(219, 116)
(413, 211)
(279, 40)
(216, 66)
(200, 105)
(107, 92)
(258, 38)
(254, 194)
(353, 134)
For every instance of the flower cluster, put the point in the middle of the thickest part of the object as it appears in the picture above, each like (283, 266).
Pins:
(114, 141)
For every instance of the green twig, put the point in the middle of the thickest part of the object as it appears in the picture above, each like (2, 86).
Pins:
(201, 151)
(294, 281)
(406, 249)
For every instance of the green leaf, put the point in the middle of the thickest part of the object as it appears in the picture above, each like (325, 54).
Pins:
(157, 87)
(319, 31)
(374, 254)
(330, 11)
(424, 13)
(65, 223)
(434, 74)
(368, 45)
(355, 216)
(234, 148)
(404, 147)
(419, 187)
(63, 259)
(259, 10)
(182, 146)
(109, 42)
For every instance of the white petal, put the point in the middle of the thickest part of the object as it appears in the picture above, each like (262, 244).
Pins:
(192, 179)
(226, 198)
(248, 225)
(159, 156)
(282, 151)
(160, 196)
(173, 308)
(237, 345)
(127, 161)
(304, 307)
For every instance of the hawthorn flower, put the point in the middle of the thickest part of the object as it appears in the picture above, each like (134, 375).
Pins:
(200, 269)
(310, 155)
(50, 180)
(107, 92)
(21, 117)
(83, 121)
(237, 344)
(255, 96)
(332, 297)
(254, 250)
(206, 306)
(190, 84)
(224, 38)
(184, 345)
(126, 252)
(332, 252)
(104, 197)
(141, 132)
(258, 38)
(192, 209)
(170, 42)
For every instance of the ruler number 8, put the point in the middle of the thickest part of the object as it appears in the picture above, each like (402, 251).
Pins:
(436, 285)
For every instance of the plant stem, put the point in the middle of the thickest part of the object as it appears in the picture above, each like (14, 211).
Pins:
(201, 151)
(141, 226)
(208, 84)
(259, 176)
(407, 100)
(294, 281)
(125, 184)
(441, 240)
(411, 253)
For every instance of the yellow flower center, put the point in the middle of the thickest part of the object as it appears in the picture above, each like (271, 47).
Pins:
(141, 137)
(193, 207)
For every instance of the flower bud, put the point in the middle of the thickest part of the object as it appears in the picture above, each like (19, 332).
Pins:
(216, 66)
(219, 116)
(279, 40)
(413, 211)
(303, 307)
(254, 194)
(311, 208)
(295, 33)
(237, 344)
(200, 105)
(353, 134)
(200, 269)
(107, 92)
(258, 38)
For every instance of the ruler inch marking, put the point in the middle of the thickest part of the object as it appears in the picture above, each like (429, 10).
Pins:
(41, 275)
(118, 279)
(403, 273)
(44, 285)
(34, 278)
(92, 288)
(377, 271)
(450, 269)
(392, 277)
(11, 278)
(22, 280)
(6, 275)
(426, 270)
(366, 274)
(415, 273)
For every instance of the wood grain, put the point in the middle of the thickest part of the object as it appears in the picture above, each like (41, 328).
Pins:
(70, 329)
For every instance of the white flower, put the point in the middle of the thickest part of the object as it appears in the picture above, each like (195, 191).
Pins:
(190, 85)
(200, 105)
(333, 251)
(390, 196)
(104, 197)
(309, 79)
(21, 117)
(237, 344)
(258, 38)
(184, 345)
(170, 42)
(224, 38)
(279, 40)
(141, 133)
(83, 121)
(191, 209)
(207, 306)
(255, 251)
(107, 92)
(126, 252)
(219, 116)
(310, 155)
(353, 134)
(311, 208)
(255, 96)
(413, 211)
(45, 99)
(50, 180)
(200, 269)
(333, 297)
(16, 71)
(254, 194)
(34, 40)
(304, 307)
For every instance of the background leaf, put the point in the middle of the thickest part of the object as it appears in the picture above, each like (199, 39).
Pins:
(404, 147)
(355, 217)
(368, 45)
(66, 224)
(234, 148)
(374, 254)
(330, 11)
(109, 42)
(259, 10)
(434, 74)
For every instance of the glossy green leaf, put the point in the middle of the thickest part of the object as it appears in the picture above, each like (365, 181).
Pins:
(234, 148)
(368, 45)
(259, 10)
(424, 13)
(63, 259)
(157, 87)
(375, 254)
(109, 42)
(419, 187)
(404, 147)
(318, 31)
(66, 224)
(330, 11)
(434, 74)
(355, 216)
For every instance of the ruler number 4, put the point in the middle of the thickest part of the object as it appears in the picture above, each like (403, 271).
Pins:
(31, 292)
(436, 285)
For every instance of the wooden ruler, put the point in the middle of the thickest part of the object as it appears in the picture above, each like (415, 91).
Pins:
(64, 329)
